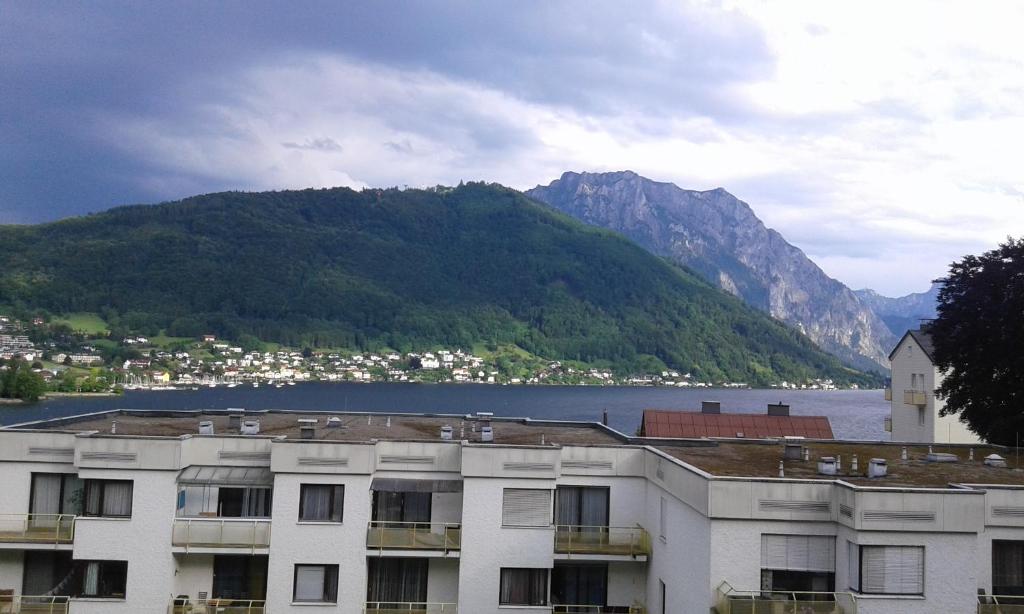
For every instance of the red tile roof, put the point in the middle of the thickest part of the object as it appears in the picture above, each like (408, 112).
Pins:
(665, 423)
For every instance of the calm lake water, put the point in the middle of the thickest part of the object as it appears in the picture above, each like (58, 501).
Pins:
(855, 414)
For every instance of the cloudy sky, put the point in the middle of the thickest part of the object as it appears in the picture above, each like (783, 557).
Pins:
(883, 138)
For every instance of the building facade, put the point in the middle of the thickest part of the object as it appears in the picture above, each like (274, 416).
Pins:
(188, 513)
(915, 409)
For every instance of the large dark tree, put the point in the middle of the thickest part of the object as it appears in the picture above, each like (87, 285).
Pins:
(979, 342)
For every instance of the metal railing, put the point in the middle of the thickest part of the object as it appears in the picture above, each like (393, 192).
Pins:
(182, 605)
(732, 601)
(598, 609)
(22, 604)
(915, 397)
(384, 535)
(37, 528)
(625, 541)
(392, 607)
(1000, 604)
(251, 533)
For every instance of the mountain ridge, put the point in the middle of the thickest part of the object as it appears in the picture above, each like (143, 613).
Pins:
(903, 313)
(401, 269)
(720, 237)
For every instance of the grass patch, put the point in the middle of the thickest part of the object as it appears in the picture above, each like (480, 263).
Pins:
(88, 323)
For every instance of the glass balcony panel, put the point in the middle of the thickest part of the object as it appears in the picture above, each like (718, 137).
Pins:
(624, 541)
(380, 607)
(22, 604)
(37, 528)
(413, 535)
(749, 602)
(183, 605)
(1000, 604)
(598, 609)
(221, 532)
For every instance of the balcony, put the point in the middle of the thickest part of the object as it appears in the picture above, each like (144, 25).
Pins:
(1000, 604)
(48, 529)
(386, 535)
(221, 533)
(915, 397)
(381, 607)
(21, 604)
(779, 602)
(182, 605)
(888, 394)
(597, 609)
(607, 541)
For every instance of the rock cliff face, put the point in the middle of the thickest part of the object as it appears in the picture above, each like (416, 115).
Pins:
(905, 312)
(718, 235)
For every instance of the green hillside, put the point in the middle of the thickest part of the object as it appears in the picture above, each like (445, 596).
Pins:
(401, 269)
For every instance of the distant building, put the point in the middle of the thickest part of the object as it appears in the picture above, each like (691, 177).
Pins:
(86, 359)
(209, 338)
(914, 409)
(709, 422)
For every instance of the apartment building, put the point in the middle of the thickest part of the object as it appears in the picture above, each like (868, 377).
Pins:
(274, 512)
(914, 408)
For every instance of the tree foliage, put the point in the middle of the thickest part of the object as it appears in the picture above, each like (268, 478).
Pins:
(402, 269)
(20, 382)
(978, 337)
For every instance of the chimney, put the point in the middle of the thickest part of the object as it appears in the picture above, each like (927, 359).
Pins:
(778, 409)
(827, 465)
(710, 407)
(206, 427)
(877, 468)
(235, 422)
(604, 417)
(307, 428)
(793, 451)
(486, 434)
(250, 427)
(446, 433)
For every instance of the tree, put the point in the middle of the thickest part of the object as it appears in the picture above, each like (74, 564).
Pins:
(977, 336)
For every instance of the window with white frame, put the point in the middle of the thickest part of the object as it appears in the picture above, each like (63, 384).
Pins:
(316, 584)
(108, 498)
(523, 586)
(801, 563)
(321, 502)
(526, 507)
(887, 570)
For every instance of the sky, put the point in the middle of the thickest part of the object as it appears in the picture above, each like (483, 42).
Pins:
(882, 138)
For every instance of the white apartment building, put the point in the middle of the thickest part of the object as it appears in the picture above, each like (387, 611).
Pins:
(914, 412)
(284, 512)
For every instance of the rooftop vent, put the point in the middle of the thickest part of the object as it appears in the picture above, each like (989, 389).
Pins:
(486, 434)
(827, 465)
(793, 451)
(235, 421)
(307, 431)
(710, 407)
(877, 468)
(250, 427)
(334, 422)
(484, 416)
(941, 457)
(446, 433)
(206, 427)
(994, 460)
(308, 421)
(778, 409)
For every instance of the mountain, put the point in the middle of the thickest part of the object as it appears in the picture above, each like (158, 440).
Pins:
(718, 236)
(905, 312)
(402, 269)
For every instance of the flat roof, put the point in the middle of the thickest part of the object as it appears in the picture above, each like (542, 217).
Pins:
(760, 459)
(355, 427)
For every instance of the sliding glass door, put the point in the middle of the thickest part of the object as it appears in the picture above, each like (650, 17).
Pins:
(392, 582)
(581, 506)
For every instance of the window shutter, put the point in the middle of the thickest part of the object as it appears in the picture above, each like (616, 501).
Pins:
(309, 582)
(894, 570)
(798, 552)
(526, 507)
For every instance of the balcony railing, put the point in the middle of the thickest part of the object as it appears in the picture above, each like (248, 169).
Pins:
(251, 533)
(598, 609)
(37, 528)
(385, 535)
(22, 604)
(391, 607)
(1000, 604)
(183, 605)
(915, 397)
(624, 541)
(732, 601)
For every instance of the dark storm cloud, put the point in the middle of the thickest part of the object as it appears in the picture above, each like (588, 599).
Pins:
(67, 64)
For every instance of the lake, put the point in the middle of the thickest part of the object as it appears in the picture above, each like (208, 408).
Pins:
(854, 414)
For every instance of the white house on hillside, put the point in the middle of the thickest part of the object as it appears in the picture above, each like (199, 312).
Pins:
(914, 407)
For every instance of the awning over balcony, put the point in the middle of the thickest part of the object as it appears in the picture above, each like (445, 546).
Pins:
(199, 475)
(400, 485)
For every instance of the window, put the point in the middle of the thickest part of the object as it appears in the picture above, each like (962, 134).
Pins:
(804, 563)
(581, 506)
(244, 502)
(316, 583)
(108, 498)
(396, 581)
(523, 586)
(102, 578)
(888, 570)
(663, 519)
(526, 507)
(56, 493)
(237, 576)
(584, 583)
(920, 416)
(1007, 567)
(321, 502)
(401, 506)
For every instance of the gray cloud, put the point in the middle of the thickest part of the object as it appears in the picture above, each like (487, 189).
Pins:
(325, 144)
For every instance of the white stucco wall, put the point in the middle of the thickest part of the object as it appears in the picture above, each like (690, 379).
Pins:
(681, 558)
